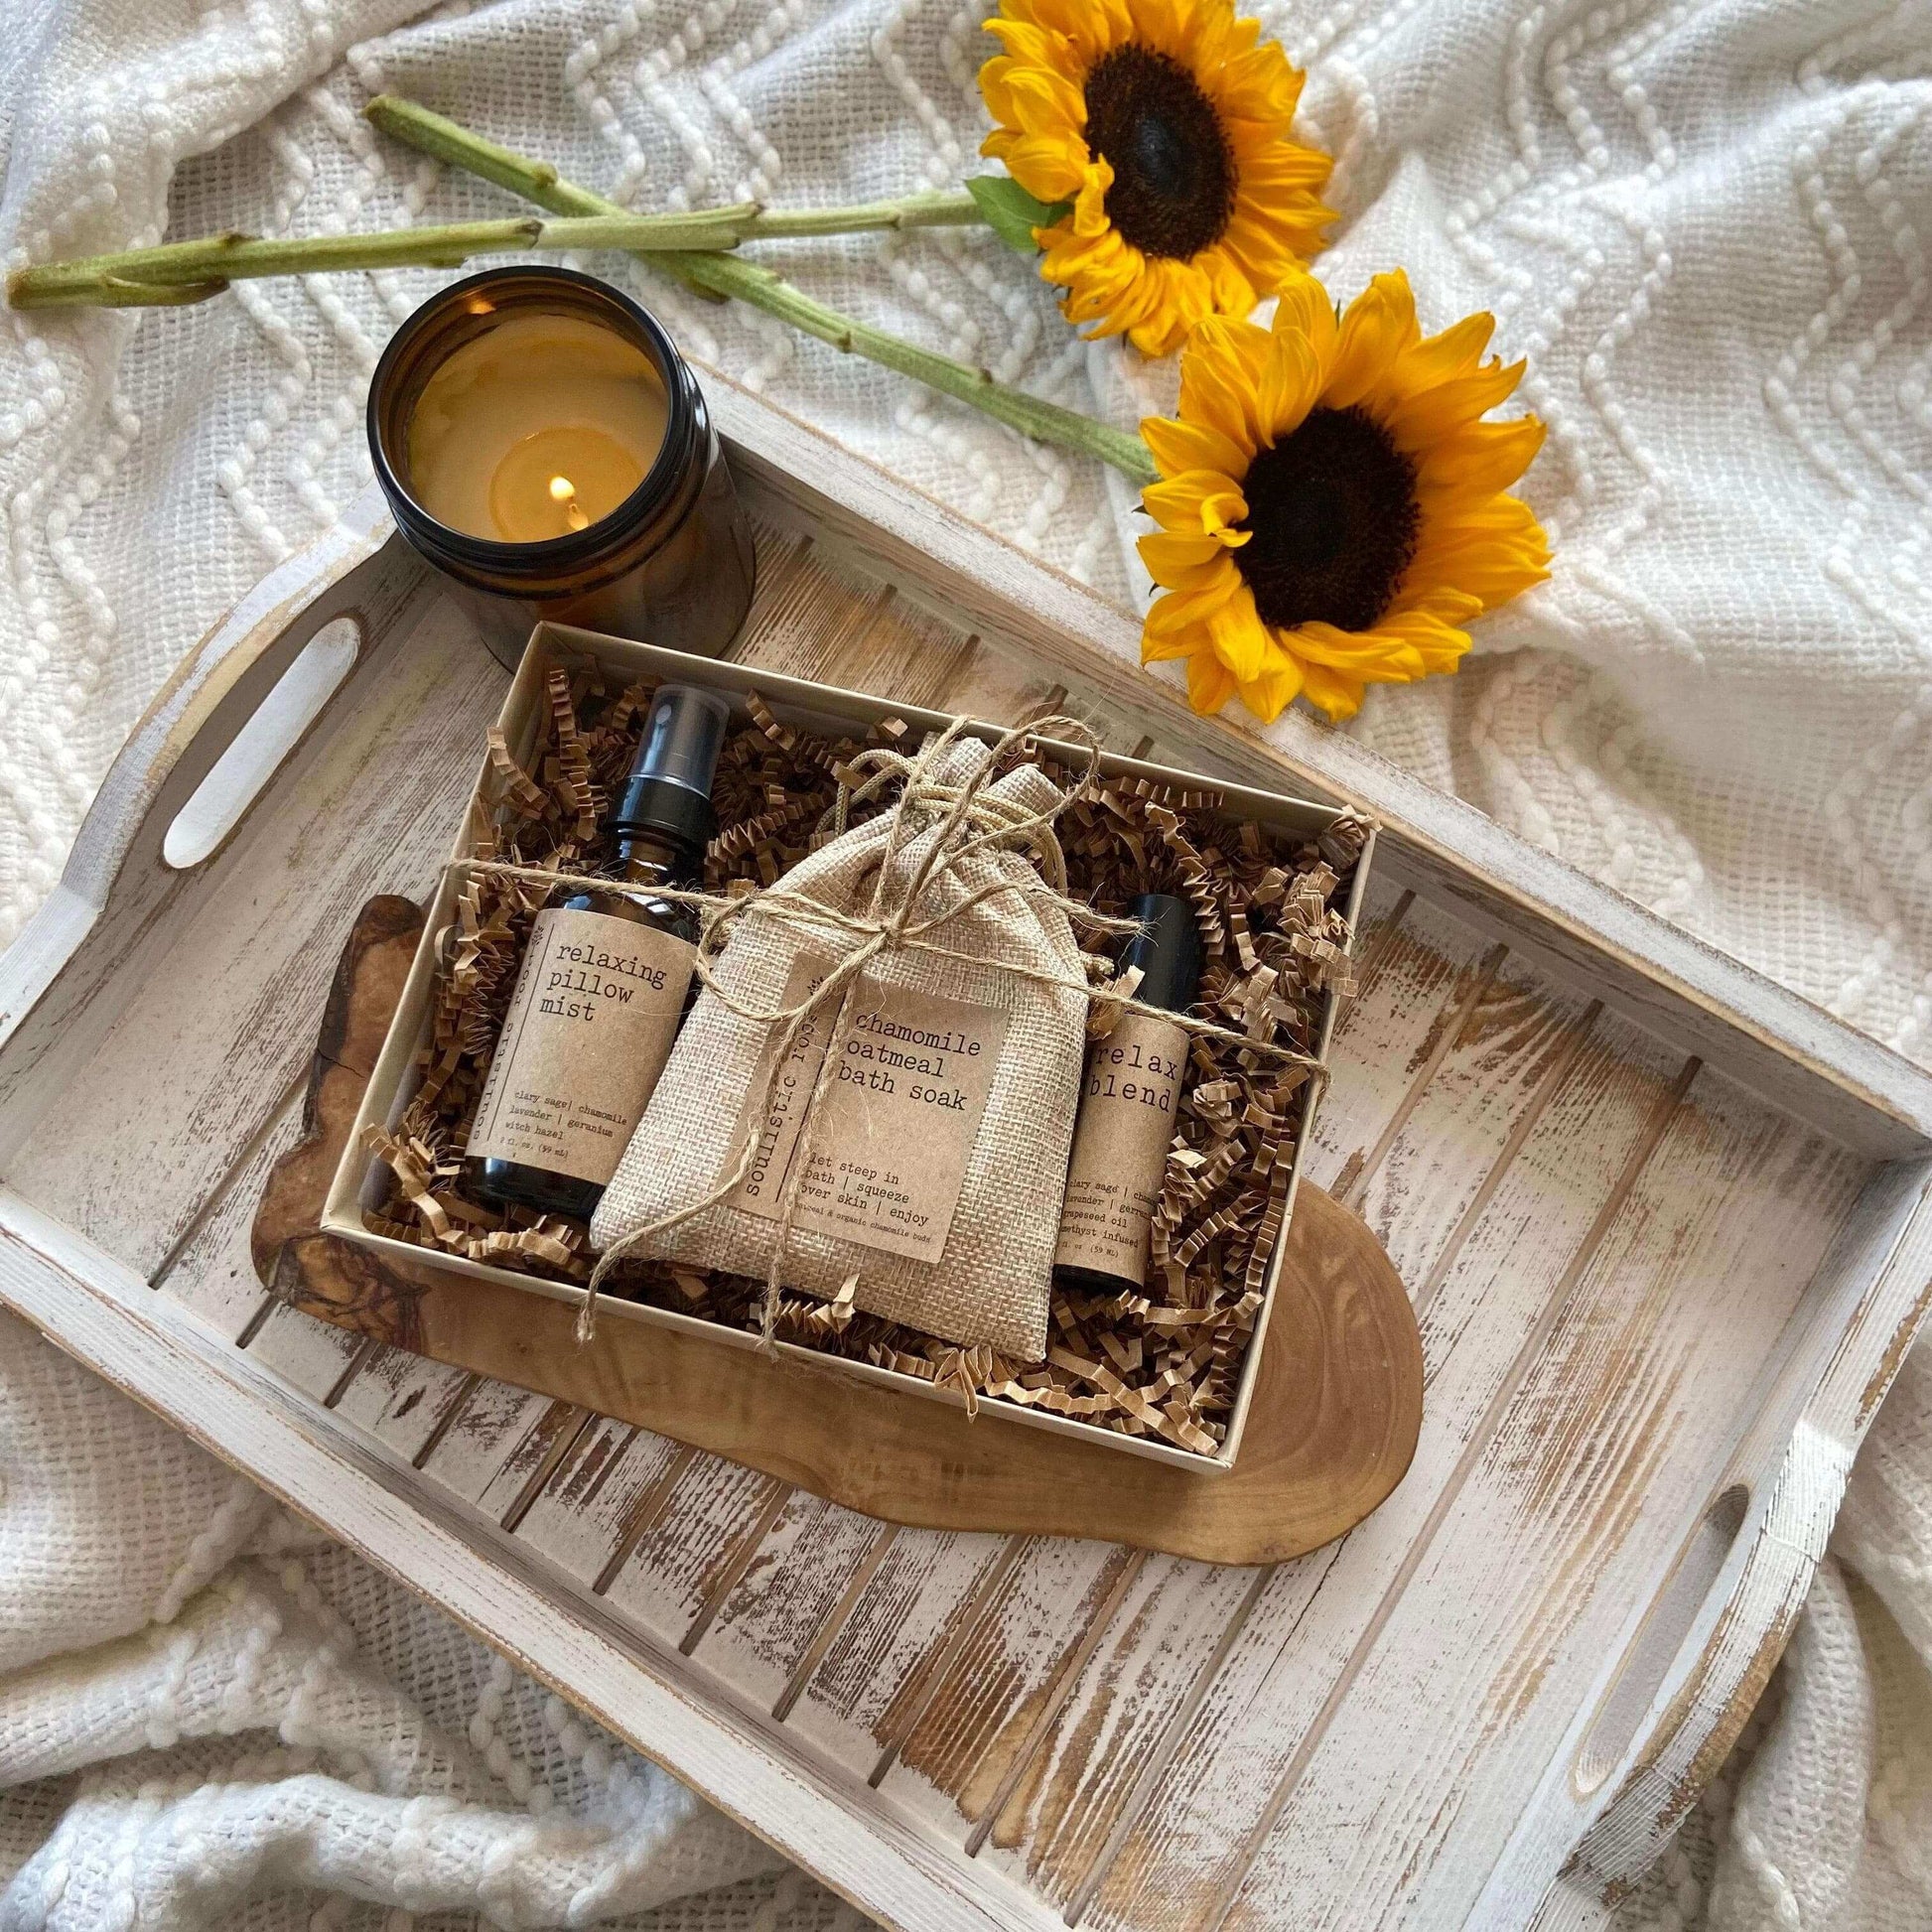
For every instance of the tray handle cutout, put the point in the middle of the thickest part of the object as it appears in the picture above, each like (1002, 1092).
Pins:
(255, 754)
(1659, 1639)
(119, 871)
(1699, 1662)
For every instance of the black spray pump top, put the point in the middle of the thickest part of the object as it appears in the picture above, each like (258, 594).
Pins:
(1166, 949)
(668, 792)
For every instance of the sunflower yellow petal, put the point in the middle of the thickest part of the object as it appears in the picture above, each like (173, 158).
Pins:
(1291, 378)
(1209, 44)
(1090, 204)
(1489, 575)
(1399, 649)
(1022, 39)
(1375, 328)
(1493, 554)
(1447, 604)
(1177, 446)
(1177, 549)
(1419, 418)
(1051, 167)
(1219, 375)
(1277, 164)
(1040, 101)
(1103, 281)
(996, 92)
(1229, 287)
(1495, 518)
(1268, 260)
(1182, 503)
(1475, 462)
(1330, 691)
(1303, 307)
(1456, 351)
(1210, 684)
(1222, 514)
(1183, 615)
(1270, 255)
(1165, 305)
(1435, 643)
(1378, 654)
(1095, 26)
(1260, 86)
(1059, 17)
(1167, 24)
(1159, 648)
(1239, 637)
(1275, 688)
(1093, 266)
(1181, 563)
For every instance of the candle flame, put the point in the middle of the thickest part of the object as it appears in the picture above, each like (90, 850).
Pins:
(481, 305)
(563, 490)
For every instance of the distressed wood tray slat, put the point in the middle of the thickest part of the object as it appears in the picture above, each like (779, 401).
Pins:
(1664, 1227)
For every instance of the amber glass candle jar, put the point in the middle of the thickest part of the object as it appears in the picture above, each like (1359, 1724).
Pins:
(543, 443)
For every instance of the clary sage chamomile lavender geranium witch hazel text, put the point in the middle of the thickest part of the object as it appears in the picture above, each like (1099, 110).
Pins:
(1332, 495)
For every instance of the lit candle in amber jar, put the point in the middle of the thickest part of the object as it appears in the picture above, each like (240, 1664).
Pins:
(542, 443)
(538, 427)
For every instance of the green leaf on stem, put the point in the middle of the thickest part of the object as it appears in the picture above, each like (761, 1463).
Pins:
(1011, 212)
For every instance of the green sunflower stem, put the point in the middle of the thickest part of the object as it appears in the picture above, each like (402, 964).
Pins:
(447, 140)
(728, 277)
(192, 271)
(1043, 421)
(181, 272)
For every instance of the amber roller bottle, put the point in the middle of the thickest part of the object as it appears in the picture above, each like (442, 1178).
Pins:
(1130, 1101)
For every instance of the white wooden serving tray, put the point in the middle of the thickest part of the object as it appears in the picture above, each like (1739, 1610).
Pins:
(1664, 1224)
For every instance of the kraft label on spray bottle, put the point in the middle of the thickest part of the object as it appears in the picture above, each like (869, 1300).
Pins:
(589, 1026)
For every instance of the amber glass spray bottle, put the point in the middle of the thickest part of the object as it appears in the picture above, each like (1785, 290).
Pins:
(1129, 1102)
(604, 983)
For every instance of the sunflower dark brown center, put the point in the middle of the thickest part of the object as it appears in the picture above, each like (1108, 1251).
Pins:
(1174, 171)
(1332, 519)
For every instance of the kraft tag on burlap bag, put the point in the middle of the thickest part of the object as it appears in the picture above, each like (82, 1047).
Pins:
(881, 1077)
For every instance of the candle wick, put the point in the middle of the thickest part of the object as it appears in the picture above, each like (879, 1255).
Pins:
(564, 491)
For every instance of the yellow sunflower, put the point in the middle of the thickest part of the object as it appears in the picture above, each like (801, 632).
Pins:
(1164, 123)
(1330, 506)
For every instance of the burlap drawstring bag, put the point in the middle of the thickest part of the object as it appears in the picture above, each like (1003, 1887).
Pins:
(938, 1127)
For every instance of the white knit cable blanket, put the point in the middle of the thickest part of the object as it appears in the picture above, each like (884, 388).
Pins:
(212, 1720)
(1702, 220)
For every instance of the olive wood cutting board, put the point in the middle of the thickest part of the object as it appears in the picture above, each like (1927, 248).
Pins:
(1332, 1432)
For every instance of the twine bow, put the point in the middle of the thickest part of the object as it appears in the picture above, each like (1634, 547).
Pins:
(965, 819)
